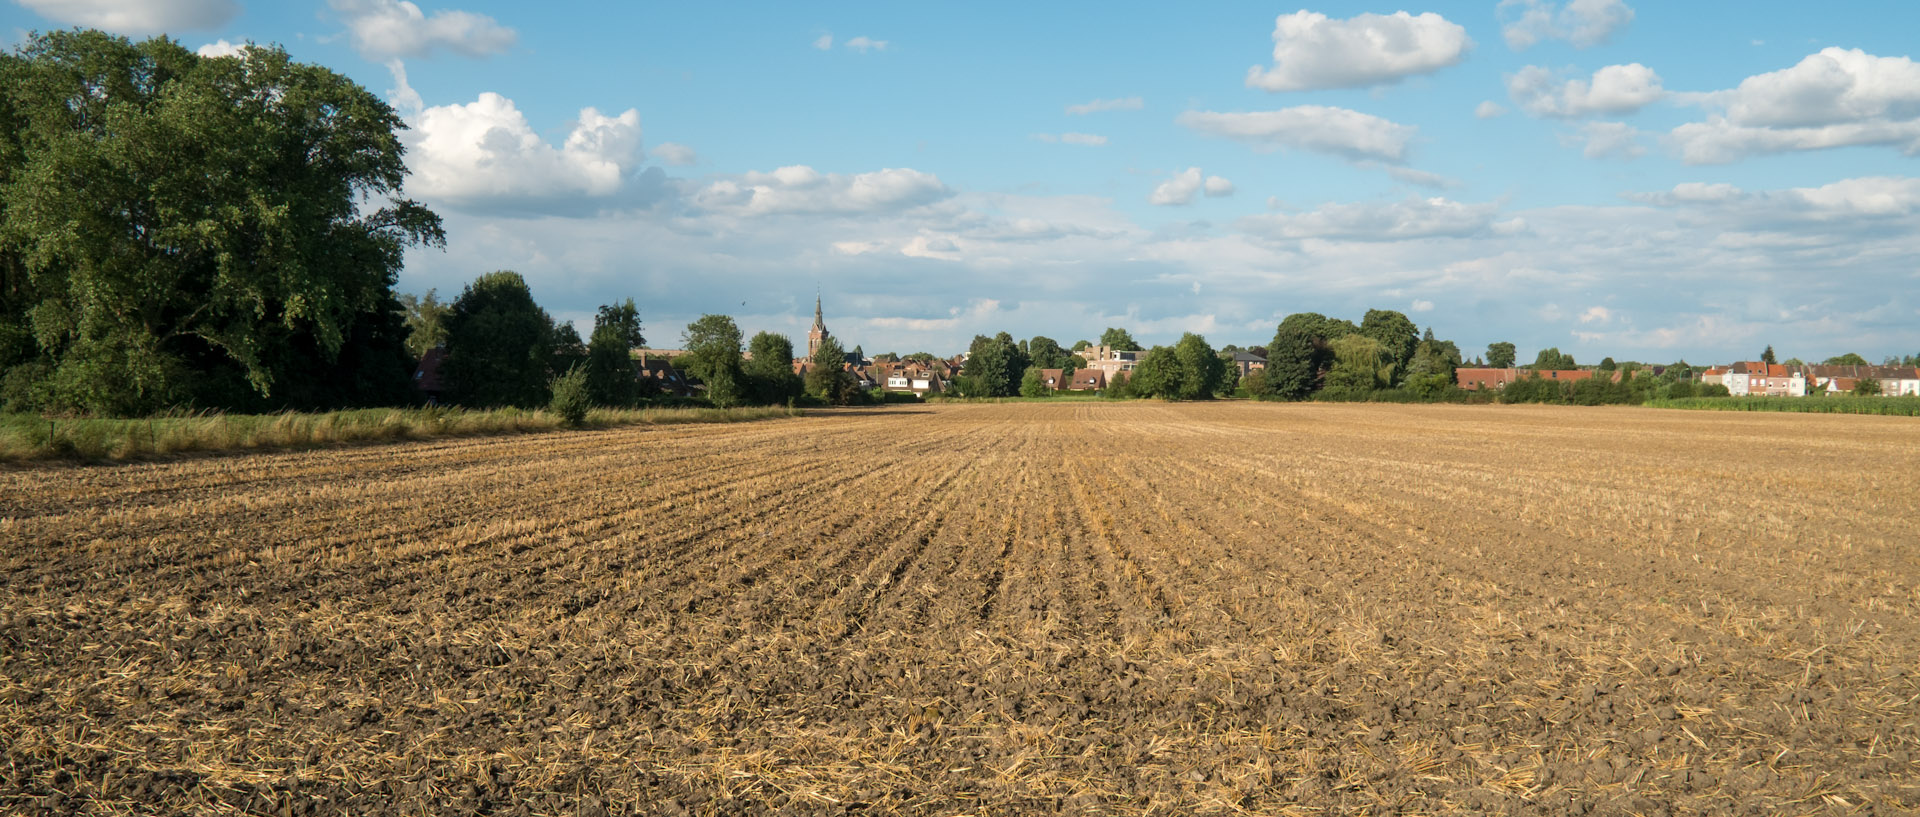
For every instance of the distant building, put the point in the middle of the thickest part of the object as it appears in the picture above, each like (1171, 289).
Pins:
(1110, 360)
(818, 334)
(1496, 379)
(1769, 379)
(1247, 362)
(1088, 380)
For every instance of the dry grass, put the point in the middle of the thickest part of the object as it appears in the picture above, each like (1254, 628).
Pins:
(1118, 608)
(29, 437)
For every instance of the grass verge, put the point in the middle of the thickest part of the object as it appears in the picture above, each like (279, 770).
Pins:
(1889, 406)
(25, 437)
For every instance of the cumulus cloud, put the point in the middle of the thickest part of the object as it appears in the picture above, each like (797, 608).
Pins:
(1396, 221)
(1317, 128)
(1615, 89)
(1835, 98)
(1584, 23)
(1129, 103)
(384, 29)
(1312, 51)
(675, 154)
(485, 151)
(1184, 186)
(1862, 197)
(798, 189)
(1488, 109)
(1086, 139)
(221, 48)
(137, 18)
(1608, 140)
(1596, 314)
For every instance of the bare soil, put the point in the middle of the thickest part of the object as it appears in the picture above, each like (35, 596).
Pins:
(984, 609)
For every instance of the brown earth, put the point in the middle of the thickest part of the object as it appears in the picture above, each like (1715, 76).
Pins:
(984, 609)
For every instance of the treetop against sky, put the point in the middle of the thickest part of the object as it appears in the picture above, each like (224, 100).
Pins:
(1649, 181)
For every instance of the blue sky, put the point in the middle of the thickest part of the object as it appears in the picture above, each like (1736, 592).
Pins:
(1637, 180)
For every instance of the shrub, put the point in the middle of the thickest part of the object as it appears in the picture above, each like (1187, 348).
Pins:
(570, 397)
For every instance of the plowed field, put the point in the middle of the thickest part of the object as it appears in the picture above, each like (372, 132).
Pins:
(984, 609)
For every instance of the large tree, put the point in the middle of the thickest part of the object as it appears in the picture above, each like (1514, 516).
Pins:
(713, 356)
(186, 230)
(1361, 364)
(1398, 337)
(1117, 338)
(995, 364)
(770, 368)
(1291, 361)
(1201, 371)
(611, 380)
(1501, 355)
(1552, 358)
(1044, 352)
(500, 344)
(1156, 376)
(827, 375)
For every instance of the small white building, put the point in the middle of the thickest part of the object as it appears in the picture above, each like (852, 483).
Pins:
(1765, 379)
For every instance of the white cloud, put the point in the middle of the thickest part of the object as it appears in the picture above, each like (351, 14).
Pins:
(405, 98)
(799, 189)
(1395, 221)
(1130, 103)
(824, 42)
(383, 29)
(1317, 128)
(222, 48)
(1615, 89)
(1420, 306)
(137, 18)
(1086, 139)
(1835, 98)
(1585, 23)
(1217, 187)
(1609, 140)
(1417, 177)
(1488, 109)
(676, 154)
(1312, 51)
(486, 151)
(1596, 314)
(977, 313)
(863, 44)
(1178, 190)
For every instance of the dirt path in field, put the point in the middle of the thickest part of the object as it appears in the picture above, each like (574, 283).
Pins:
(984, 609)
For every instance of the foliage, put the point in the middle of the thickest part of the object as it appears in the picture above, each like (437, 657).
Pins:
(712, 343)
(769, 369)
(499, 344)
(1201, 372)
(1031, 385)
(1551, 359)
(1848, 359)
(181, 230)
(426, 322)
(1045, 353)
(1606, 365)
(1117, 338)
(1834, 404)
(1156, 376)
(1361, 364)
(827, 377)
(1767, 356)
(1501, 355)
(1866, 387)
(1397, 336)
(571, 399)
(1293, 359)
(610, 375)
(996, 364)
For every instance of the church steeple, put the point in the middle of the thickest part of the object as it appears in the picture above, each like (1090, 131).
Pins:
(818, 334)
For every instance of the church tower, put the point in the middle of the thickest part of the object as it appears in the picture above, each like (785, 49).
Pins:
(818, 334)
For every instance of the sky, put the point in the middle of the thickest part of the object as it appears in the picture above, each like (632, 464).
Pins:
(1632, 180)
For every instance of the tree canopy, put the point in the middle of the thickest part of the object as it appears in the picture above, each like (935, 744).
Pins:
(1502, 355)
(500, 343)
(713, 356)
(1117, 338)
(187, 230)
(610, 379)
(770, 368)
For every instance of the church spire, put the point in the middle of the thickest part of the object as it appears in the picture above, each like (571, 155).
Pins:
(818, 334)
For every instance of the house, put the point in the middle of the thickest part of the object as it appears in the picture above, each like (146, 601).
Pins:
(1054, 379)
(1716, 376)
(1247, 362)
(909, 378)
(1768, 379)
(1088, 380)
(1110, 360)
(426, 377)
(657, 376)
(1894, 380)
(1496, 379)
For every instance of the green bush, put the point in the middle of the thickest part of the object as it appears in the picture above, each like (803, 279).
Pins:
(571, 397)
